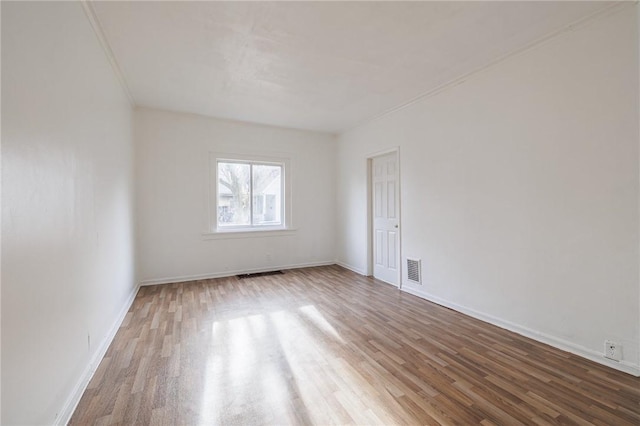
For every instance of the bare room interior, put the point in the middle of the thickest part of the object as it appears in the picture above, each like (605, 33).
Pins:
(320, 213)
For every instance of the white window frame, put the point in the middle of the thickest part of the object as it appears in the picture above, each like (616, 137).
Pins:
(241, 231)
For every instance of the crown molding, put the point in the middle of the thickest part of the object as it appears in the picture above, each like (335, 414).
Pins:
(607, 10)
(97, 29)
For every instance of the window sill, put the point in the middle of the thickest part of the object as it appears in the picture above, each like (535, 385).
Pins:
(247, 233)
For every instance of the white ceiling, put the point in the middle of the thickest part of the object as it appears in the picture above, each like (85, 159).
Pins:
(324, 66)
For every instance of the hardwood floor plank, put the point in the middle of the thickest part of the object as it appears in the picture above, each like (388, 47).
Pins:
(327, 346)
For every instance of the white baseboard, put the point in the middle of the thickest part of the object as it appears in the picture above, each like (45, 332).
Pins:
(351, 268)
(184, 278)
(550, 340)
(69, 407)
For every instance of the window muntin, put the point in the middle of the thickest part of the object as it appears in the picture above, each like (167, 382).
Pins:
(250, 194)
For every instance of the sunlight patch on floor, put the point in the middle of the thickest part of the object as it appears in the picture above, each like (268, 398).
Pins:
(278, 368)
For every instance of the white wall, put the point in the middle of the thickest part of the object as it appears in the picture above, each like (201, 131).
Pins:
(520, 190)
(172, 160)
(67, 211)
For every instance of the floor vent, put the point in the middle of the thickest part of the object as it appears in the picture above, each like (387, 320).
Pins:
(414, 273)
(259, 274)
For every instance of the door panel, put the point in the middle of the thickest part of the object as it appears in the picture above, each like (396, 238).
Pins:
(378, 199)
(391, 200)
(379, 260)
(392, 239)
(385, 218)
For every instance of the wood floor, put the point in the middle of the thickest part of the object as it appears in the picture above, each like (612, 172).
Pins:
(327, 346)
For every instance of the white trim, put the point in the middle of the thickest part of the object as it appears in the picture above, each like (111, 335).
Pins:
(211, 275)
(70, 405)
(399, 213)
(352, 268)
(286, 207)
(584, 21)
(248, 233)
(369, 221)
(548, 339)
(102, 39)
(391, 150)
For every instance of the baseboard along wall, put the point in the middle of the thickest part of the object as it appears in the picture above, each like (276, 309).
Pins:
(69, 407)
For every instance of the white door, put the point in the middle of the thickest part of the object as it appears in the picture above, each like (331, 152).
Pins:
(384, 184)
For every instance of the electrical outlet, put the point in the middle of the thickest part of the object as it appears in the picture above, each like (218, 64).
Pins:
(612, 350)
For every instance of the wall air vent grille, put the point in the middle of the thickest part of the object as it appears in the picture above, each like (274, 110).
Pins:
(414, 270)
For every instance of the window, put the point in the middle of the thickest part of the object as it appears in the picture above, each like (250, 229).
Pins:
(250, 195)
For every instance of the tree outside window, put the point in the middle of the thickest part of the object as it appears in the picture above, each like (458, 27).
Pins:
(249, 194)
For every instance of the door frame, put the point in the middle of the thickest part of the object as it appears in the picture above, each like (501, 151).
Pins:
(369, 160)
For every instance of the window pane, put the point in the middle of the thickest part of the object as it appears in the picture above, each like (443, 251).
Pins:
(267, 195)
(233, 194)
